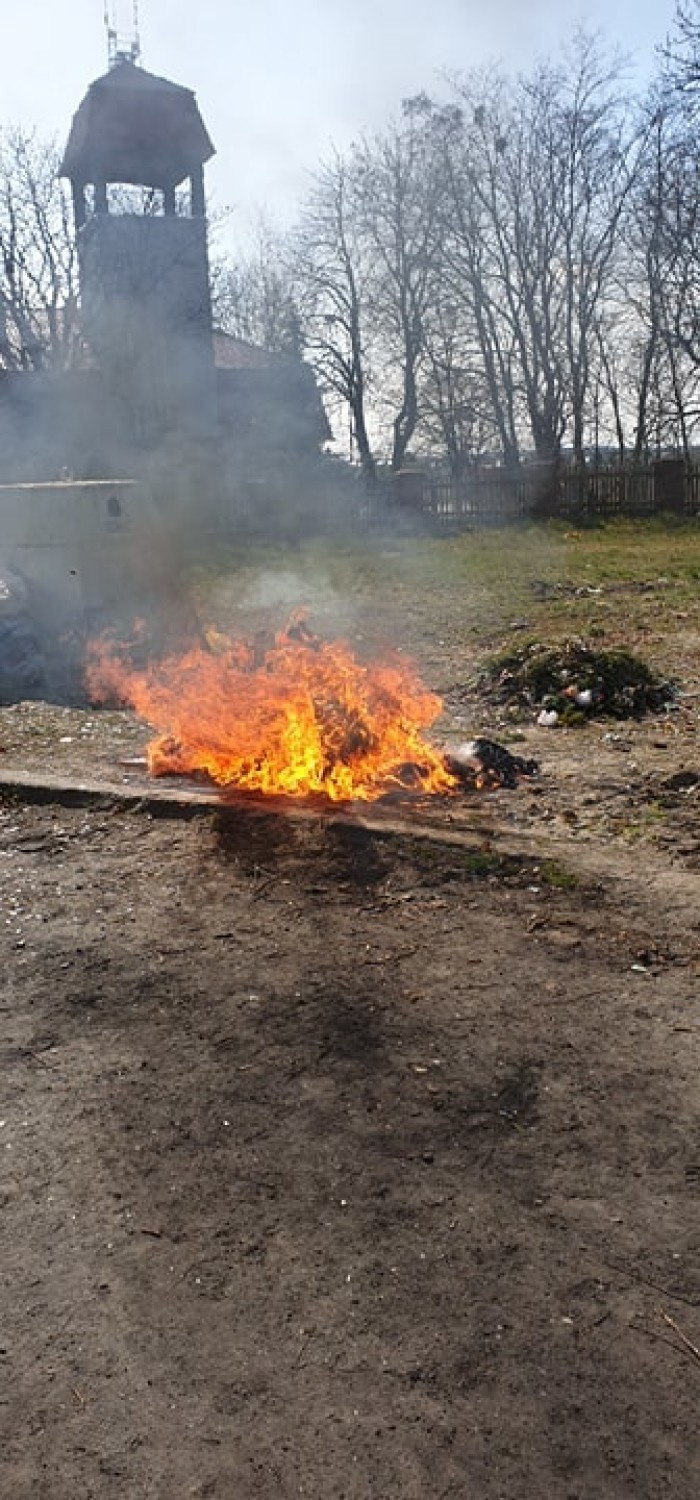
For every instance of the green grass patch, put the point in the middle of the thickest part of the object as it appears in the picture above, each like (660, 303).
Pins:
(440, 865)
(452, 599)
(556, 877)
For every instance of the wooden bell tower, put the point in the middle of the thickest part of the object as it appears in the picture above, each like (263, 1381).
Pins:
(135, 160)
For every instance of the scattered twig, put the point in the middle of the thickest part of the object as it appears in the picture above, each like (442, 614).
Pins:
(30, 1052)
(604, 1317)
(535, 923)
(55, 1335)
(686, 1342)
(640, 1280)
(392, 958)
(656, 1338)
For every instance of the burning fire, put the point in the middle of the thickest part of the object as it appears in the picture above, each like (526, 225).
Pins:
(299, 717)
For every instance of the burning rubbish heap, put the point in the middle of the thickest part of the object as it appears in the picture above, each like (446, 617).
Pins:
(573, 682)
(295, 716)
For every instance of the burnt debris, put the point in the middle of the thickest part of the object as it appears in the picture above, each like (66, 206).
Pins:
(483, 763)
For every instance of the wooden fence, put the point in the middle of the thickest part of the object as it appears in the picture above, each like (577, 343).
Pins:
(494, 497)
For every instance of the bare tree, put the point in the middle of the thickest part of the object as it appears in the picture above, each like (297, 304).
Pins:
(681, 53)
(679, 230)
(471, 248)
(399, 195)
(516, 269)
(368, 264)
(332, 274)
(539, 183)
(456, 420)
(39, 322)
(253, 295)
(601, 150)
(664, 251)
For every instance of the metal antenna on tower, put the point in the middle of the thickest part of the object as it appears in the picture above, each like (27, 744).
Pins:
(123, 41)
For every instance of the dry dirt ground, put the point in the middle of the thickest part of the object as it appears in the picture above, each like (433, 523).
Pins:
(342, 1162)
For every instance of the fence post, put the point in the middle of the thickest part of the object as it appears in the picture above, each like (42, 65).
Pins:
(670, 485)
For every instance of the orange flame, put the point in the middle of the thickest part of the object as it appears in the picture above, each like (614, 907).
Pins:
(302, 717)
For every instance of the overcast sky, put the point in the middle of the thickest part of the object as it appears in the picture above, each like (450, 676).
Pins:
(281, 81)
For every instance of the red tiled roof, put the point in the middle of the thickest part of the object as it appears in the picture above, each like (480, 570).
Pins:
(236, 354)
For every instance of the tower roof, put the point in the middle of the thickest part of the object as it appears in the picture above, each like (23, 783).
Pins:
(136, 128)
